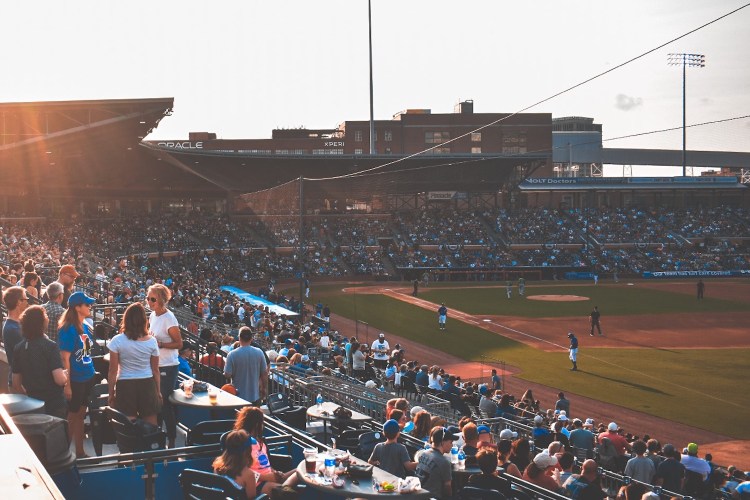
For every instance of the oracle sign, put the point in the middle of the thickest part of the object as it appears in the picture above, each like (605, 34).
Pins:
(181, 145)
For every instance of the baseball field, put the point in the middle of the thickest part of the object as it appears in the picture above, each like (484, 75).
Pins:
(667, 362)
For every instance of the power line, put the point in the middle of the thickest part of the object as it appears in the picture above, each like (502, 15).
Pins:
(580, 84)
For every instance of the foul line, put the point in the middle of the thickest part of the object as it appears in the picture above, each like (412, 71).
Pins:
(464, 317)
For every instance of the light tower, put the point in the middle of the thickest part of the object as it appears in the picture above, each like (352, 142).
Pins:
(686, 60)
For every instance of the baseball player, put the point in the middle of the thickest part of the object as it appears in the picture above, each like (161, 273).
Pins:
(521, 286)
(508, 289)
(442, 316)
(573, 349)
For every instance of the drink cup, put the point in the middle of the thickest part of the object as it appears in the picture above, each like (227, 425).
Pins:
(187, 387)
(311, 457)
(212, 396)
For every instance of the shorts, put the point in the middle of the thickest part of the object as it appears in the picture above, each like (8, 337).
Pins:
(573, 354)
(442, 318)
(81, 395)
(137, 397)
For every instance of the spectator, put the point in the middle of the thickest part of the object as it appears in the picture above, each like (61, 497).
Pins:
(433, 469)
(212, 358)
(422, 378)
(165, 328)
(521, 453)
(582, 439)
(67, 277)
(54, 308)
(471, 442)
(640, 467)
(505, 450)
(75, 341)
(31, 283)
(496, 385)
(16, 300)
(587, 485)
(694, 464)
(186, 354)
(539, 472)
(37, 367)
(358, 360)
(251, 419)
(566, 461)
(247, 369)
(422, 425)
(486, 404)
(134, 367)
(670, 474)
(236, 462)
(620, 443)
(489, 479)
(542, 436)
(392, 456)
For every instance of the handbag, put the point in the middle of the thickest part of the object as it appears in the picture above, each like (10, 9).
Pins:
(200, 386)
(342, 413)
(360, 471)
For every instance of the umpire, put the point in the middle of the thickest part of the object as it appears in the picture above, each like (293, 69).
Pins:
(594, 316)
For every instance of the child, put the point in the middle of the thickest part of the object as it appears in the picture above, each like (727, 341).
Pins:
(392, 456)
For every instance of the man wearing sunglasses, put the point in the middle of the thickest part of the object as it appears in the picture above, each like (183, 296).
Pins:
(433, 469)
(16, 300)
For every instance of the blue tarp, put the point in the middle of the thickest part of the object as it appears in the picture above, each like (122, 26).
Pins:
(255, 300)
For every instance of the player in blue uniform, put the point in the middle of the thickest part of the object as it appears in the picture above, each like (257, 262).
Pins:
(442, 316)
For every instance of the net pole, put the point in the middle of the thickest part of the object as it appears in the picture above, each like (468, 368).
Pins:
(302, 249)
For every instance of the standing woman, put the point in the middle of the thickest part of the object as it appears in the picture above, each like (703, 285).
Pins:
(31, 283)
(134, 363)
(37, 367)
(165, 329)
(75, 340)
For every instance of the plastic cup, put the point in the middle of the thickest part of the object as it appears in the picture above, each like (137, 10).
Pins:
(311, 460)
(187, 388)
(212, 396)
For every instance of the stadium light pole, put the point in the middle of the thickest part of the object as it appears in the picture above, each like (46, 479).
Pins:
(686, 60)
(372, 114)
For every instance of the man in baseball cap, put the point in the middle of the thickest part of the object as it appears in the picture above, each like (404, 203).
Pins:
(433, 469)
(381, 348)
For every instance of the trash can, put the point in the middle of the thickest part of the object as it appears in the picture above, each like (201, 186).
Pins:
(48, 437)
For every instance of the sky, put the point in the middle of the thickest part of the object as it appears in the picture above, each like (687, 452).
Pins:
(242, 68)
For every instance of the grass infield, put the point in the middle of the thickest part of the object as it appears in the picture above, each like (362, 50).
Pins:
(698, 387)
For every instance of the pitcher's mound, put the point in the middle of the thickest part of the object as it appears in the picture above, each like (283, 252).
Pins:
(558, 298)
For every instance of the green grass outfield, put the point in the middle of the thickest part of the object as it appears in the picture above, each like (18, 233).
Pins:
(698, 387)
(611, 299)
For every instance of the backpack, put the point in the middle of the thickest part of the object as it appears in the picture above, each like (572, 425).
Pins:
(607, 454)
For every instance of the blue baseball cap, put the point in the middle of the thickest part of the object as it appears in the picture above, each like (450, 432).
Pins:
(483, 389)
(483, 429)
(80, 298)
(391, 427)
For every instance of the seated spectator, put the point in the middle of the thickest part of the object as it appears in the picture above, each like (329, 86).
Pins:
(226, 343)
(211, 358)
(422, 425)
(185, 354)
(433, 469)
(471, 442)
(235, 463)
(450, 386)
(539, 472)
(392, 456)
(489, 479)
(566, 461)
(670, 474)
(504, 451)
(693, 463)
(640, 467)
(582, 439)
(521, 453)
(400, 417)
(586, 485)
(505, 408)
(542, 436)
(486, 404)
(632, 491)
(250, 419)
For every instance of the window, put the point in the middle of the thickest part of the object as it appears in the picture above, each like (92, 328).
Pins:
(436, 137)
(388, 135)
(335, 151)
(476, 137)
(357, 136)
(358, 151)
(476, 151)
(442, 151)
(387, 151)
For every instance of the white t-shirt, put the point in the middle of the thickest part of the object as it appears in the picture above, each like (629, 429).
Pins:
(160, 326)
(381, 349)
(435, 382)
(325, 341)
(134, 356)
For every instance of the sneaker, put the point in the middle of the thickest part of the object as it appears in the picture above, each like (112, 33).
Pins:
(591, 334)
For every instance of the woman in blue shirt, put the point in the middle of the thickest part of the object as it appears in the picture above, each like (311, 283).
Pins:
(75, 339)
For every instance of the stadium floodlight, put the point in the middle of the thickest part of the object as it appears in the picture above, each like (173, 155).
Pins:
(692, 61)
(372, 113)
